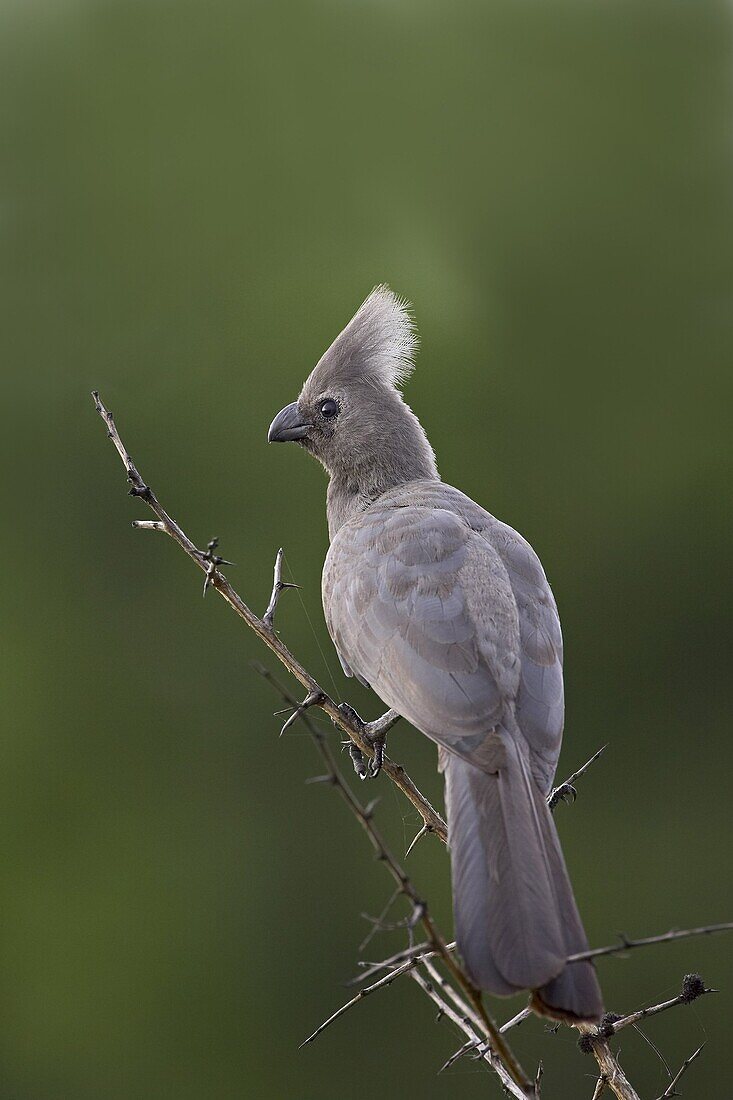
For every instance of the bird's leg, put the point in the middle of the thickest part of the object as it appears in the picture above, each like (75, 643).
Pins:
(375, 733)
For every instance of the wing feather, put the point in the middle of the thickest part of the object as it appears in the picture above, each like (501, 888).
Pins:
(446, 612)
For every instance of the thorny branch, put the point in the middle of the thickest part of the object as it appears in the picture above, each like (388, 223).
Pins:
(462, 1005)
(263, 627)
(625, 944)
(344, 717)
(594, 1040)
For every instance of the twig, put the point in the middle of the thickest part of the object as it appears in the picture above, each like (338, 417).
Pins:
(215, 579)
(435, 976)
(671, 1087)
(381, 984)
(693, 987)
(419, 950)
(516, 1020)
(464, 1024)
(378, 922)
(626, 944)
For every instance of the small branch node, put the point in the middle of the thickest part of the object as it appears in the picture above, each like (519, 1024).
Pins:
(213, 562)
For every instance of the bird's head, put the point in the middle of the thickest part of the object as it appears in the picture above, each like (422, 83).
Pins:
(350, 413)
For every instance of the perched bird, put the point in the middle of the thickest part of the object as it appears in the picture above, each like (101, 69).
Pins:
(446, 613)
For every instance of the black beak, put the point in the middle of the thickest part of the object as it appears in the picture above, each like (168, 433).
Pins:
(287, 425)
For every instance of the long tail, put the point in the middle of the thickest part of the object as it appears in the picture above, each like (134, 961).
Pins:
(515, 915)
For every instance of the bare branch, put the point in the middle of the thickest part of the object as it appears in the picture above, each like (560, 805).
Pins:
(445, 1009)
(516, 1020)
(381, 984)
(380, 919)
(371, 968)
(436, 977)
(625, 944)
(671, 1087)
(693, 987)
(215, 579)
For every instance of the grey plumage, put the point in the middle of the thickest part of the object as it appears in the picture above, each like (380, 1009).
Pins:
(447, 614)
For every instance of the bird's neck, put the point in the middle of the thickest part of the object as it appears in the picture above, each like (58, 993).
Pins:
(351, 490)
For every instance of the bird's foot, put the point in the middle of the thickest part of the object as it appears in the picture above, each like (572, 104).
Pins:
(566, 792)
(375, 734)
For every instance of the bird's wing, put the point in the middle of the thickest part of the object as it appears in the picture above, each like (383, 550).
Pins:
(421, 607)
(540, 702)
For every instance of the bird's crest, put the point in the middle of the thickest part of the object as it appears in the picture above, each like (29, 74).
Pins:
(377, 346)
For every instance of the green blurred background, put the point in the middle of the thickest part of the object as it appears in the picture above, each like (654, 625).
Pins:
(195, 198)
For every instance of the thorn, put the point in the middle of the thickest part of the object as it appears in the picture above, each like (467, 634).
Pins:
(311, 700)
(423, 832)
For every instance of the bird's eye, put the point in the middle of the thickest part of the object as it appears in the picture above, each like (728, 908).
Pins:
(329, 408)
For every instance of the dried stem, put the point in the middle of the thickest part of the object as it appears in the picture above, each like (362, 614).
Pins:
(385, 981)
(625, 944)
(693, 988)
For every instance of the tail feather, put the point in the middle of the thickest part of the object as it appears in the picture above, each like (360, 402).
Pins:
(515, 915)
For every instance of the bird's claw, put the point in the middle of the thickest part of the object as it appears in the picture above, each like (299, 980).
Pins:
(375, 738)
(378, 743)
(357, 759)
(565, 793)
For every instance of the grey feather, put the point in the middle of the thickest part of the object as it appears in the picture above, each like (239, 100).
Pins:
(446, 612)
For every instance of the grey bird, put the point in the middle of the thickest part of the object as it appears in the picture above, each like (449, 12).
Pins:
(446, 613)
